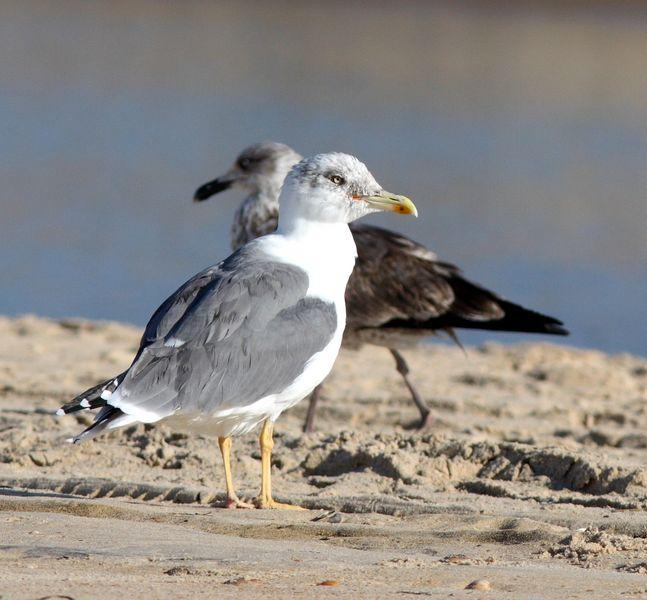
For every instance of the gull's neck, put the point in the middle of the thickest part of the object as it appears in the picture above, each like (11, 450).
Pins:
(317, 233)
(256, 216)
(325, 251)
(259, 213)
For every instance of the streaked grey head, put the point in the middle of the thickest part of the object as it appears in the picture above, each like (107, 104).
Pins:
(259, 168)
(336, 187)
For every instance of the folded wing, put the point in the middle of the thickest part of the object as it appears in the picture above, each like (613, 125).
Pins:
(233, 334)
(407, 288)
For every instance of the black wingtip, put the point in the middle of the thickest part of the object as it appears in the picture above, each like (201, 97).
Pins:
(104, 418)
(93, 397)
(84, 404)
(557, 329)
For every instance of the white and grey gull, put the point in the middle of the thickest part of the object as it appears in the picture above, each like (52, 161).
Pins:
(399, 291)
(251, 336)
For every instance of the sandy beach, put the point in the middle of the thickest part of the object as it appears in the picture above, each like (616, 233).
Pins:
(532, 482)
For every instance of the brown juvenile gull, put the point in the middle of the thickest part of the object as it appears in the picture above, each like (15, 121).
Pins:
(399, 291)
(251, 336)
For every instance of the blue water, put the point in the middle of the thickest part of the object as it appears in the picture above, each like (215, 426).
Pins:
(523, 149)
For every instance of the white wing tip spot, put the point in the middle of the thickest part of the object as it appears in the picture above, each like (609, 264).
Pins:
(60, 412)
(85, 403)
(106, 395)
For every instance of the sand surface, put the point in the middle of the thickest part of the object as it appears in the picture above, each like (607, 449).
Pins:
(533, 479)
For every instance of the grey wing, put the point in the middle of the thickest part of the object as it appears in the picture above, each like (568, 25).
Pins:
(235, 333)
(175, 306)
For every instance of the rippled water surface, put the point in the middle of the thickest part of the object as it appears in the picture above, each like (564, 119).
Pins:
(521, 135)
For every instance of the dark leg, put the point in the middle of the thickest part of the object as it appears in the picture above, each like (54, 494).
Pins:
(309, 425)
(403, 368)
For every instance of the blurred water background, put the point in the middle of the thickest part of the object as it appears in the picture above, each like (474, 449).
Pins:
(520, 129)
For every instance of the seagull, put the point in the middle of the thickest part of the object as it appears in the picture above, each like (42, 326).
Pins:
(398, 293)
(249, 337)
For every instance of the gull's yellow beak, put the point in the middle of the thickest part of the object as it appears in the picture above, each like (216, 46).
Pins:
(387, 201)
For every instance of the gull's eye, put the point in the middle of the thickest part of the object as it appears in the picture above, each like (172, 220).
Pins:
(337, 179)
(244, 163)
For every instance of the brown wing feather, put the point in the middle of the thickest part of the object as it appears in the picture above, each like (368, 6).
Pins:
(398, 283)
(391, 280)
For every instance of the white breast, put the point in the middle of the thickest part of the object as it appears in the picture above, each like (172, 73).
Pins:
(325, 251)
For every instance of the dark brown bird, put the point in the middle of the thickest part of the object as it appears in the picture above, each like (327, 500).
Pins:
(411, 293)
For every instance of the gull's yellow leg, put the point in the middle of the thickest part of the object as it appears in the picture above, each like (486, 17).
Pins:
(233, 501)
(265, 499)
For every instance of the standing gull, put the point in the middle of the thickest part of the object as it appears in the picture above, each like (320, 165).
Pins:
(247, 338)
(399, 291)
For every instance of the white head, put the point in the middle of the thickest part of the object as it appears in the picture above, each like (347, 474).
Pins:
(335, 188)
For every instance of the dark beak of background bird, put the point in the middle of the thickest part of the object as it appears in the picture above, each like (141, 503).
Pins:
(204, 192)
